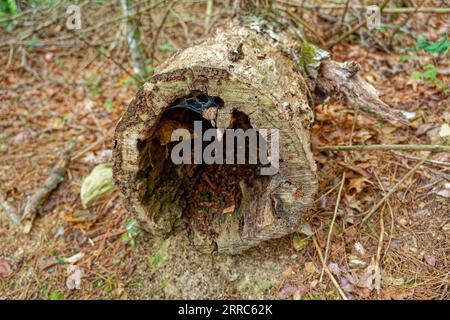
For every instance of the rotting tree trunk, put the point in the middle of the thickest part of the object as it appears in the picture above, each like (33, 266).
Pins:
(257, 71)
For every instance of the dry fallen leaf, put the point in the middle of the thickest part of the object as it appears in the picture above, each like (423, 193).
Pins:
(310, 267)
(430, 259)
(5, 269)
(75, 258)
(358, 184)
(74, 279)
(334, 268)
(46, 262)
(360, 249)
(229, 209)
(300, 241)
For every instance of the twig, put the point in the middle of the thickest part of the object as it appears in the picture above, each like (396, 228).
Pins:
(92, 145)
(355, 28)
(9, 210)
(386, 10)
(391, 191)
(306, 26)
(391, 213)
(380, 246)
(327, 248)
(402, 147)
(436, 162)
(158, 31)
(209, 7)
(100, 52)
(398, 27)
(333, 280)
(134, 42)
(36, 200)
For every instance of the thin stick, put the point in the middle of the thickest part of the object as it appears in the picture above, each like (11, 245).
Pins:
(402, 147)
(327, 248)
(355, 28)
(306, 26)
(92, 145)
(136, 78)
(387, 10)
(437, 162)
(391, 191)
(160, 27)
(333, 280)
(209, 7)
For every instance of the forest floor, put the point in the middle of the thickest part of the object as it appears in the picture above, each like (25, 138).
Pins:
(63, 93)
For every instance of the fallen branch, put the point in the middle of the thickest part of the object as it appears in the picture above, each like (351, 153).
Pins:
(402, 147)
(436, 10)
(36, 200)
(31, 207)
(340, 80)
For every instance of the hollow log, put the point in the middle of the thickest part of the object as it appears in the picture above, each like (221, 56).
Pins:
(263, 77)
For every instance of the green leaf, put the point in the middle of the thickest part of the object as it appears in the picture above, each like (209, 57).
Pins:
(430, 73)
(56, 295)
(32, 43)
(10, 27)
(416, 75)
(125, 238)
(109, 106)
(439, 47)
(300, 241)
(150, 70)
(166, 47)
(404, 58)
(155, 261)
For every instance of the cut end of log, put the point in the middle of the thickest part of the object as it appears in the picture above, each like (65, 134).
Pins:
(226, 207)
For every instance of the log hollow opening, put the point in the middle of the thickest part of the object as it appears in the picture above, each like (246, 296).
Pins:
(213, 192)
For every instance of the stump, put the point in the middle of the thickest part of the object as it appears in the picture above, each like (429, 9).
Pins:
(257, 71)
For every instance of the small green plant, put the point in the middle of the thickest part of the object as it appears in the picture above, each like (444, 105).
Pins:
(94, 85)
(56, 295)
(430, 74)
(133, 231)
(439, 47)
(32, 44)
(166, 47)
(109, 106)
(8, 10)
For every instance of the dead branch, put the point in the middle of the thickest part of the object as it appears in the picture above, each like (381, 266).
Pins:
(37, 199)
(341, 80)
(436, 10)
(402, 147)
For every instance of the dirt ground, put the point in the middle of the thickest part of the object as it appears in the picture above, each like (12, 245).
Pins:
(57, 88)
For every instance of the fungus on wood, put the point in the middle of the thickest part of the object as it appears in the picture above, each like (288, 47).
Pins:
(260, 77)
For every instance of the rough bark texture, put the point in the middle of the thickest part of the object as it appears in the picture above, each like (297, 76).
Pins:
(252, 75)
